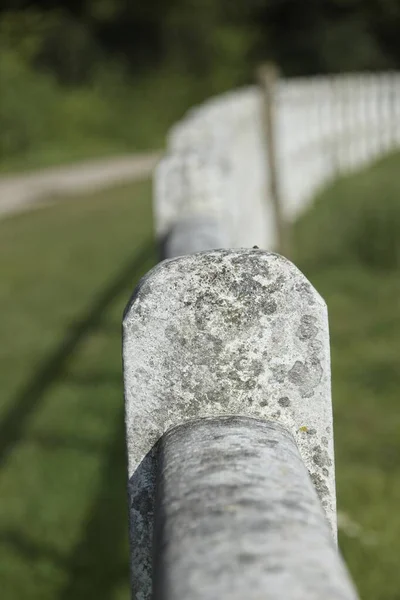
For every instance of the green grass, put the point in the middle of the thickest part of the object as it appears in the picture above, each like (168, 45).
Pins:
(66, 273)
(348, 245)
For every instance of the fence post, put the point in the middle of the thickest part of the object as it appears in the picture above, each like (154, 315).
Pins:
(268, 78)
(393, 100)
(336, 126)
(237, 339)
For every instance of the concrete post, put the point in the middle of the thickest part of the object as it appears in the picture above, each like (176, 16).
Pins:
(215, 334)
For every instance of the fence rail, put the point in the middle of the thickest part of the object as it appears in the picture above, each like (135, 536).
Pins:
(226, 350)
(239, 517)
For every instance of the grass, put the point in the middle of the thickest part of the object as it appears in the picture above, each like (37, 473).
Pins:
(66, 273)
(347, 243)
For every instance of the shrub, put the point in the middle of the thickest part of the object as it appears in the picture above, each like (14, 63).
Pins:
(27, 103)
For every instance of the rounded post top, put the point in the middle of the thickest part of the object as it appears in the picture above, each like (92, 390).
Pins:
(230, 332)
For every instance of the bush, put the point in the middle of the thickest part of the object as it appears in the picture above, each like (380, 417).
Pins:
(61, 100)
(27, 103)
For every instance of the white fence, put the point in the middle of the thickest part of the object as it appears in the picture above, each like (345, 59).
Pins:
(332, 125)
(226, 352)
(217, 165)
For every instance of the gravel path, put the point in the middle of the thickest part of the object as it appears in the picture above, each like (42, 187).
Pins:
(20, 191)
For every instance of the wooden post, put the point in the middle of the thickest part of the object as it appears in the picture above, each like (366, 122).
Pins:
(267, 77)
(336, 126)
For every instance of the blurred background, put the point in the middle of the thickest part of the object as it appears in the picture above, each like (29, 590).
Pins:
(101, 78)
(90, 68)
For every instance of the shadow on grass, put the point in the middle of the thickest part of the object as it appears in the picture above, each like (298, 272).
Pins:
(99, 561)
(26, 401)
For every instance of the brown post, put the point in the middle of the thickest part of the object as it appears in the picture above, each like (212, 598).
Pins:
(393, 100)
(337, 120)
(268, 76)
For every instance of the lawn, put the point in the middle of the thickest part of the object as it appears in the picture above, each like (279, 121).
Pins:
(66, 273)
(348, 244)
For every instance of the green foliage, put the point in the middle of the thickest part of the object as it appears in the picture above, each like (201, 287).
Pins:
(22, 33)
(231, 45)
(43, 122)
(349, 45)
(37, 114)
(52, 41)
(91, 78)
(27, 106)
(303, 37)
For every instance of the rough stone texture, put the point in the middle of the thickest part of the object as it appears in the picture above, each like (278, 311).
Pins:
(229, 332)
(238, 517)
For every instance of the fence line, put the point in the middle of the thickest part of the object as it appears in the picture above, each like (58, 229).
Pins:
(332, 125)
(209, 336)
(226, 351)
(217, 155)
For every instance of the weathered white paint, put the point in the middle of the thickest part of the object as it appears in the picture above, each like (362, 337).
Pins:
(215, 165)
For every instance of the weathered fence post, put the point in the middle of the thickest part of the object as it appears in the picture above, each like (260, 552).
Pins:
(229, 422)
(238, 517)
(268, 78)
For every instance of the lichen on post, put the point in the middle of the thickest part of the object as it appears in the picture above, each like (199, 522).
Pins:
(227, 332)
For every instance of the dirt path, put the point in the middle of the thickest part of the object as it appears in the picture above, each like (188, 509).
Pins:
(19, 192)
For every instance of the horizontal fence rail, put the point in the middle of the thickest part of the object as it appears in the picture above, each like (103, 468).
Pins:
(239, 517)
(226, 348)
